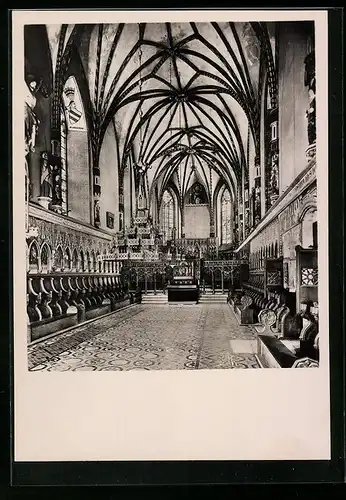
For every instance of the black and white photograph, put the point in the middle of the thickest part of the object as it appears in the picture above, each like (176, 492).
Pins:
(175, 205)
(171, 196)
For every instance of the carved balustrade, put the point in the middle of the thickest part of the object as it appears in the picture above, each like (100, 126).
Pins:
(220, 274)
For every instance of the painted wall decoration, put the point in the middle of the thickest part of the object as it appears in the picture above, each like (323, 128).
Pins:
(110, 220)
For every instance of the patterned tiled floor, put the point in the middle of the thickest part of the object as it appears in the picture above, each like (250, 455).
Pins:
(163, 337)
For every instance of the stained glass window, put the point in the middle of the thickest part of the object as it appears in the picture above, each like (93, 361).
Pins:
(167, 214)
(226, 217)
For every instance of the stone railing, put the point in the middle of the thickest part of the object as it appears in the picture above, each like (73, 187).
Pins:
(147, 241)
(133, 242)
(136, 255)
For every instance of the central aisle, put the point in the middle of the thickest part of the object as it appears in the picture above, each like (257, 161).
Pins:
(149, 337)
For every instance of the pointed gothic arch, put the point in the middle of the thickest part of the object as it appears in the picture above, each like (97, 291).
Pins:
(45, 258)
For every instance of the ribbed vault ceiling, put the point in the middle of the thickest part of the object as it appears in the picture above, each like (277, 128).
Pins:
(182, 98)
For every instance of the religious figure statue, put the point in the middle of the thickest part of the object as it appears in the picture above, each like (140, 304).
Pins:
(31, 120)
(274, 181)
(142, 203)
(33, 86)
(310, 82)
(57, 193)
(257, 204)
(121, 221)
(46, 177)
(247, 220)
(97, 219)
(311, 117)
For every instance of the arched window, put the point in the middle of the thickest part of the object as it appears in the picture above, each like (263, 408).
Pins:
(167, 214)
(63, 154)
(226, 217)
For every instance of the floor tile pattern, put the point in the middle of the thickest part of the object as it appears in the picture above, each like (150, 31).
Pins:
(149, 337)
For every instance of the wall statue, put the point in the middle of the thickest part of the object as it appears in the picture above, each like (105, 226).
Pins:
(274, 176)
(46, 177)
(97, 218)
(142, 202)
(33, 87)
(57, 193)
(257, 197)
(30, 118)
(310, 82)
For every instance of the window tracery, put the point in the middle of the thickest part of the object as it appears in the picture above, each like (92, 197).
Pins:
(167, 214)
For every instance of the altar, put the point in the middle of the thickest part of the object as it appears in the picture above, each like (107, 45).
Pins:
(183, 289)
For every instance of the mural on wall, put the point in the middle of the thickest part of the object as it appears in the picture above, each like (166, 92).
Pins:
(73, 105)
(197, 195)
(110, 220)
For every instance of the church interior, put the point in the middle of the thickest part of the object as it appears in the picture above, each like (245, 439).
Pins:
(171, 197)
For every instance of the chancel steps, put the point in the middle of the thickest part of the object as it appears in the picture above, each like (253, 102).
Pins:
(217, 298)
(151, 298)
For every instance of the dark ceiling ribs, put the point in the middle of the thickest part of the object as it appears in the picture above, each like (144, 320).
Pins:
(184, 93)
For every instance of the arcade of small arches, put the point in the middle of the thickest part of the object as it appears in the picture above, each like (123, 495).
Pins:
(172, 162)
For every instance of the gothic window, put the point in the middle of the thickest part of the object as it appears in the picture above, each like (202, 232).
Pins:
(63, 154)
(226, 217)
(167, 214)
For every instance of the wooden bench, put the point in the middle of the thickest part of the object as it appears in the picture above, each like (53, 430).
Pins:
(276, 354)
(243, 311)
(43, 327)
